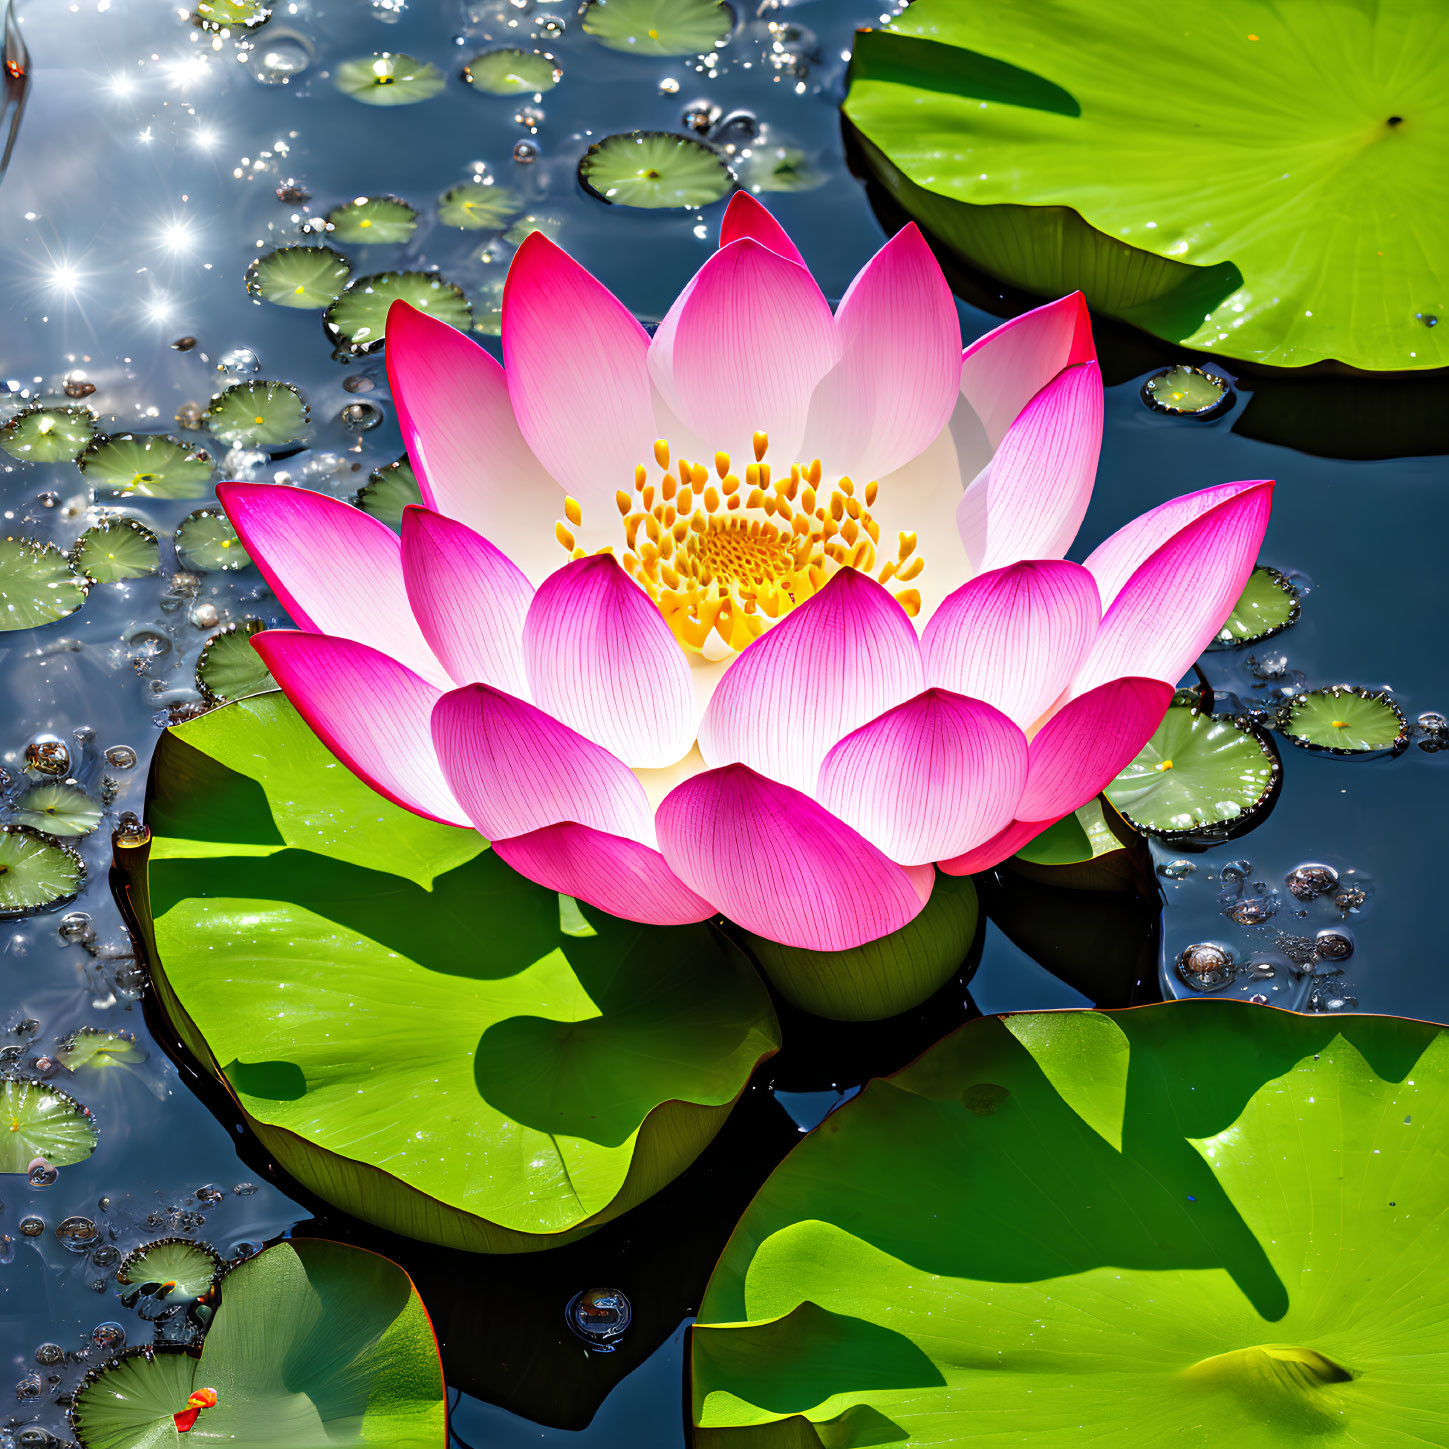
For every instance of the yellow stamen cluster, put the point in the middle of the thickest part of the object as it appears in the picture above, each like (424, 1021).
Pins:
(725, 556)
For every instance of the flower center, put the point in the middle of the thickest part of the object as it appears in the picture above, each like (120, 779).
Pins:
(722, 556)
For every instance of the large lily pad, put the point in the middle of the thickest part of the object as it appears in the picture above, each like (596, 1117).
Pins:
(315, 1345)
(1192, 1224)
(1263, 181)
(401, 1019)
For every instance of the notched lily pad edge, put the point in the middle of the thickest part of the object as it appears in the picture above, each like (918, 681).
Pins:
(16, 913)
(198, 1245)
(1382, 696)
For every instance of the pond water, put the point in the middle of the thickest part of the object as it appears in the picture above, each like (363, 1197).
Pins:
(152, 165)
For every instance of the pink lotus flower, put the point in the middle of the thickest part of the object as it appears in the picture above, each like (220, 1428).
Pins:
(672, 688)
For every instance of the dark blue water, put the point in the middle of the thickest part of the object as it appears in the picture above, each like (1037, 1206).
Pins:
(143, 181)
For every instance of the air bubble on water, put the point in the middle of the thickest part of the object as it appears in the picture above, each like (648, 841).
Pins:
(599, 1316)
(48, 1354)
(525, 153)
(29, 1387)
(32, 1226)
(1333, 945)
(77, 1233)
(40, 1173)
(1206, 966)
(121, 757)
(280, 57)
(1309, 881)
(238, 362)
(1236, 871)
(1253, 910)
(1176, 869)
(109, 1337)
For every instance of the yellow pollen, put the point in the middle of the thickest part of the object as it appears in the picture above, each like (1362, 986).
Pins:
(728, 560)
(1339, 724)
(1163, 765)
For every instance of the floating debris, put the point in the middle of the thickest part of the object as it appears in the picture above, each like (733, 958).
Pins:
(258, 415)
(654, 170)
(1187, 392)
(43, 1122)
(48, 434)
(660, 27)
(388, 491)
(1344, 720)
(599, 1316)
(61, 809)
(36, 873)
(1268, 604)
(375, 220)
(224, 15)
(508, 72)
(38, 584)
(388, 78)
(206, 542)
(477, 206)
(357, 321)
(116, 549)
(303, 277)
(146, 465)
(1198, 774)
(229, 668)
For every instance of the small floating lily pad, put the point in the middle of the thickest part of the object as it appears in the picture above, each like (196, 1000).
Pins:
(1344, 720)
(388, 491)
(258, 414)
(1198, 772)
(303, 277)
(477, 206)
(58, 808)
(509, 72)
(48, 434)
(36, 874)
(1187, 392)
(146, 465)
(116, 549)
(659, 27)
(229, 668)
(780, 168)
(376, 220)
(1267, 606)
(654, 170)
(388, 78)
(357, 320)
(42, 1121)
(230, 14)
(38, 584)
(206, 542)
(94, 1046)
(184, 1269)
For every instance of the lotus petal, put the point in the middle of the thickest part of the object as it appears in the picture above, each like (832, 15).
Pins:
(782, 866)
(745, 216)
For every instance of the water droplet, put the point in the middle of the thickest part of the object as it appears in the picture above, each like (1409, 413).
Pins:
(106, 1254)
(78, 387)
(239, 362)
(1176, 869)
(41, 1174)
(1206, 966)
(1333, 945)
(76, 926)
(361, 417)
(1253, 910)
(32, 1226)
(109, 1337)
(29, 1387)
(33, 1436)
(1429, 319)
(1309, 881)
(1236, 870)
(525, 152)
(77, 1233)
(600, 1317)
(48, 755)
(121, 757)
(281, 56)
(1258, 999)
(245, 1189)
(48, 1354)
(210, 1194)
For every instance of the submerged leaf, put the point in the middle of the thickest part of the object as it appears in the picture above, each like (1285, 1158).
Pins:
(146, 465)
(477, 206)
(388, 79)
(375, 220)
(388, 491)
(58, 808)
(508, 72)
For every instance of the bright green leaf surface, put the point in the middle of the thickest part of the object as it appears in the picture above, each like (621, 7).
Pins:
(1192, 1224)
(497, 1076)
(314, 1346)
(229, 668)
(302, 277)
(358, 318)
(1260, 180)
(654, 170)
(1341, 718)
(40, 1121)
(659, 27)
(35, 872)
(1267, 606)
(388, 79)
(388, 491)
(38, 584)
(116, 549)
(48, 435)
(149, 465)
(377, 220)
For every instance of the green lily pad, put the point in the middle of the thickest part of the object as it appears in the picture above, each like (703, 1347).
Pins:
(1198, 773)
(477, 206)
(1187, 392)
(230, 14)
(357, 320)
(57, 808)
(42, 1121)
(36, 873)
(508, 72)
(146, 465)
(302, 277)
(48, 434)
(654, 170)
(659, 27)
(38, 584)
(506, 1085)
(187, 1269)
(229, 668)
(1268, 605)
(95, 1047)
(388, 79)
(884, 977)
(116, 549)
(375, 220)
(258, 414)
(1290, 225)
(1344, 720)
(388, 491)
(314, 1345)
(780, 168)
(1091, 849)
(1195, 1223)
(206, 542)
